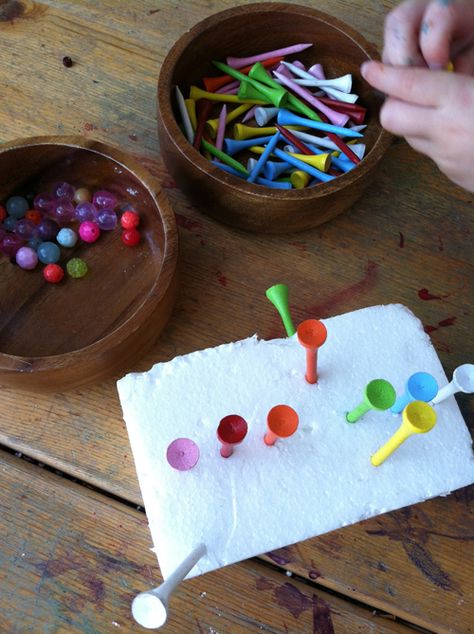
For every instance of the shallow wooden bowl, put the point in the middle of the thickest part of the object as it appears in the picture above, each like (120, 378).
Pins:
(56, 337)
(244, 31)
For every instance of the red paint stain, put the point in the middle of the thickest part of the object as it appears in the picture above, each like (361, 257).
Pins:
(327, 308)
(401, 241)
(88, 127)
(322, 621)
(301, 246)
(449, 321)
(440, 244)
(201, 631)
(263, 584)
(313, 574)
(282, 556)
(187, 223)
(424, 294)
(132, 137)
(222, 279)
(289, 597)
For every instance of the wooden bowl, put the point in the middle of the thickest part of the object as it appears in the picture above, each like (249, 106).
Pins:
(58, 336)
(244, 31)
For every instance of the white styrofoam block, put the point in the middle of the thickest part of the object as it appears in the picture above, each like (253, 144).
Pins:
(319, 479)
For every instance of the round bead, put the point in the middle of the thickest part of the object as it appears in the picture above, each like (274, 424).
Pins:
(25, 228)
(9, 223)
(3, 213)
(63, 211)
(53, 273)
(86, 211)
(63, 190)
(89, 231)
(34, 242)
(82, 195)
(17, 206)
(76, 267)
(131, 237)
(26, 258)
(48, 229)
(10, 244)
(48, 252)
(103, 198)
(43, 202)
(107, 219)
(34, 215)
(130, 219)
(67, 237)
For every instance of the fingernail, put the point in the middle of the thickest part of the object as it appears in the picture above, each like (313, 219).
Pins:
(364, 68)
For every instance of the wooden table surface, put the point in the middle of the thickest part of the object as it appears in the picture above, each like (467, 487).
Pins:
(75, 541)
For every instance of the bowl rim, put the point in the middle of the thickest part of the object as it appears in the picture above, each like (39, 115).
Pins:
(205, 167)
(12, 362)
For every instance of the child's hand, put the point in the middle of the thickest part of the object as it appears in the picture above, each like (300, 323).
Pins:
(434, 111)
(431, 33)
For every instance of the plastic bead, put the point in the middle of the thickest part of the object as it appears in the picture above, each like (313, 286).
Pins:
(107, 219)
(89, 231)
(43, 202)
(130, 219)
(103, 198)
(48, 252)
(63, 211)
(82, 195)
(17, 206)
(9, 223)
(53, 273)
(25, 229)
(63, 190)
(67, 237)
(34, 243)
(131, 237)
(86, 211)
(11, 243)
(26, 258)
(76, 268)
(48, 229)
(34, 215)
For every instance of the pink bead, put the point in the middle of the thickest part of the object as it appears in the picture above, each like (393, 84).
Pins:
(89, 231)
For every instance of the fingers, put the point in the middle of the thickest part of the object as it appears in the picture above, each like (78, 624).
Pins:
(437, 30)
(407, 120)
(415, 85)
(401, 46)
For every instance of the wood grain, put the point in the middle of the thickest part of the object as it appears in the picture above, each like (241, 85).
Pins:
(72, 561)
(411, 230)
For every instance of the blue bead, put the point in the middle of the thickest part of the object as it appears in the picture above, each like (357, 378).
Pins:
(9, 223)
(34, 243)
(67, 237)
(17, 206)
(48, 253)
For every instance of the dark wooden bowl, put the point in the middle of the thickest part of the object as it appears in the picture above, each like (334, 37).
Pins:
(56, 337)
(248, 30)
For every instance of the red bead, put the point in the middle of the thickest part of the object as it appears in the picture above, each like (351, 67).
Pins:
(34, 216)
(131, 237)
(130, 220)
(3, 213)
(53, 273)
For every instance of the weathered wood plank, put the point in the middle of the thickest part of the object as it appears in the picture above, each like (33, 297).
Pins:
(72, 561)
(412, 230)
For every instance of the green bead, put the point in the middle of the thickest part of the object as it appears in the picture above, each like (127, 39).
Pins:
(77, 267)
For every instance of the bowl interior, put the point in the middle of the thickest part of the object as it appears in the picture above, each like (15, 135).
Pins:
(253, 29)
(39, 319)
